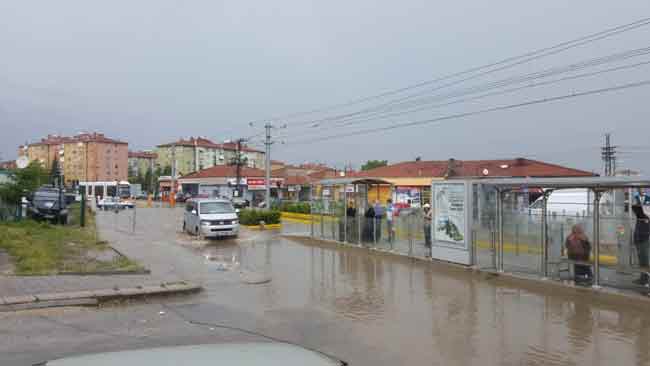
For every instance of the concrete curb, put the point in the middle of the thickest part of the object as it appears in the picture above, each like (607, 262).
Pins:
(92, 297)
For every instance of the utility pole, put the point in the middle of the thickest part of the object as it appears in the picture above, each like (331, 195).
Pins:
(608, 154)
(238, 161)
(267, 182)
(172, 190)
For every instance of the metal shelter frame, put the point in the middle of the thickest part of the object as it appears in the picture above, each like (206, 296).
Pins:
(597, 185)
(345, 182)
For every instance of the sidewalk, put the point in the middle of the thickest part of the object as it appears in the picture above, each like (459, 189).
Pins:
(168, 262)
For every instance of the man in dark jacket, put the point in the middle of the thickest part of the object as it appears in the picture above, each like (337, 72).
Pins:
(642, 241)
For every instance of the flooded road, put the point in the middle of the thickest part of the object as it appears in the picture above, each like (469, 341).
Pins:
(366, 308)
(370, 308)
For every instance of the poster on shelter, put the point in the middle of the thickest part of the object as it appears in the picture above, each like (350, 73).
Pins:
(449, 214)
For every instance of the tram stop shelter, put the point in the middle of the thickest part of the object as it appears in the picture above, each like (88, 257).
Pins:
(338, 206)
(508, 234)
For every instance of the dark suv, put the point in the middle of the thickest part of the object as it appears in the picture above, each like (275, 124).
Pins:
(44, 205)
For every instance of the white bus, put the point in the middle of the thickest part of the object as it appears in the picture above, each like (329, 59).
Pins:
(120, 189)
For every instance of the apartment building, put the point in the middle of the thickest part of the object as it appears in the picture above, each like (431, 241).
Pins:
(140, 162)
(45, 151)
(84, 157)
(198, 153)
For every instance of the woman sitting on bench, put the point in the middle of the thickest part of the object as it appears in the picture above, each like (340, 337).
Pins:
(579, 249)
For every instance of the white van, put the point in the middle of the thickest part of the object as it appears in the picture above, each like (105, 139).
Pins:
(210, 218)
(572, 202)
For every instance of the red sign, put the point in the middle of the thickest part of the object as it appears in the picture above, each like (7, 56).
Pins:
(260, 183)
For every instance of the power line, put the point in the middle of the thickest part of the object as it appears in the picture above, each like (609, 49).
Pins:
(527, 57)
(473, 113)
(347, 123)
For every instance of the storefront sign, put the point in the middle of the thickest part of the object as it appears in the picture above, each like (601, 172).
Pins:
(260, 183)
(449, 214)
(233, 181)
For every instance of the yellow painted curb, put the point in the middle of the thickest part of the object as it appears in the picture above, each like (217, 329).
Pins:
(266, 227)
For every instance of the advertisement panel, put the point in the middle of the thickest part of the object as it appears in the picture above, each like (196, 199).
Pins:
(449, 214)
(407, 195)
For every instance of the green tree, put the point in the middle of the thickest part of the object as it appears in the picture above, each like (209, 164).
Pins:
(372, 164)
(54, 172)
(23, 182)
(148, 177)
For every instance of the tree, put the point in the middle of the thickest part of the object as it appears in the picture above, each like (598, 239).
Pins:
(23, 182)
(54, 172)
(146, 185)
(372, 164)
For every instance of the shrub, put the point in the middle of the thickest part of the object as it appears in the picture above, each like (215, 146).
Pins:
(249, 216)
(296, 207)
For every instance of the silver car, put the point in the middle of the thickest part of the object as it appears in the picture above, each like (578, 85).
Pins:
(210, 218)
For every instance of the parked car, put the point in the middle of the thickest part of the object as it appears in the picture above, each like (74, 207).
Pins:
(210, 218)
(240, 203)
(48, 203)
(107, 203)
(183, 197)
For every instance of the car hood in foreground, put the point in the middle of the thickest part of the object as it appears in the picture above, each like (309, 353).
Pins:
(244, 354)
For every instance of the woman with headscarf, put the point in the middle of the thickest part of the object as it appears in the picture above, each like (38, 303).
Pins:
(641, 240)
(579, 249)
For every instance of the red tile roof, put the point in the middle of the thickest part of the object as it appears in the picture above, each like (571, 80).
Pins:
(192, 141)
(143, 154)
(10, 164)
(204, 142)
(297, 180)
(474, 168)
(228, 171)
(82, 137)
(233, 146)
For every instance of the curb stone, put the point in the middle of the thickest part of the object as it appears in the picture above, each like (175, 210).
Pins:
(76, 298)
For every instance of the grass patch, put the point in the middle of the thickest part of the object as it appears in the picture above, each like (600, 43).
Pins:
(39, 248)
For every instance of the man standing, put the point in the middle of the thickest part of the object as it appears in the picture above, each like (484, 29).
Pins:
(389, 220)
(642, 241)
(427, 225)
(379, 214)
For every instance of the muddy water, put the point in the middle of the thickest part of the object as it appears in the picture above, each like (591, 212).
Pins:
(375, 309)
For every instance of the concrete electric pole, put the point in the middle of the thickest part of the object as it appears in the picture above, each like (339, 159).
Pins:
(608, 154)
(267, 181)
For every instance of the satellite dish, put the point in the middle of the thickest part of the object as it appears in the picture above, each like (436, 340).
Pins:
(22, 162)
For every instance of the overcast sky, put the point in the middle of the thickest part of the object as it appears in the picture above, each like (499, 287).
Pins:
(151, 71)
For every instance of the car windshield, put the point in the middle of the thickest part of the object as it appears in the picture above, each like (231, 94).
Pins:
(45, 195)
(216, 207)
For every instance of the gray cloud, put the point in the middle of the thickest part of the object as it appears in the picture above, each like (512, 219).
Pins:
(151, 71)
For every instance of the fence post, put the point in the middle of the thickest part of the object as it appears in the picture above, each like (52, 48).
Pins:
(134, 216)
(500, 228)
(544, 256)
(82, 213)
(596, 236)
(517, 239)
(409, 226)
(345, 213)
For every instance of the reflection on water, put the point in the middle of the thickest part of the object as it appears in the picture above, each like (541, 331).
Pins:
(374, 309)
